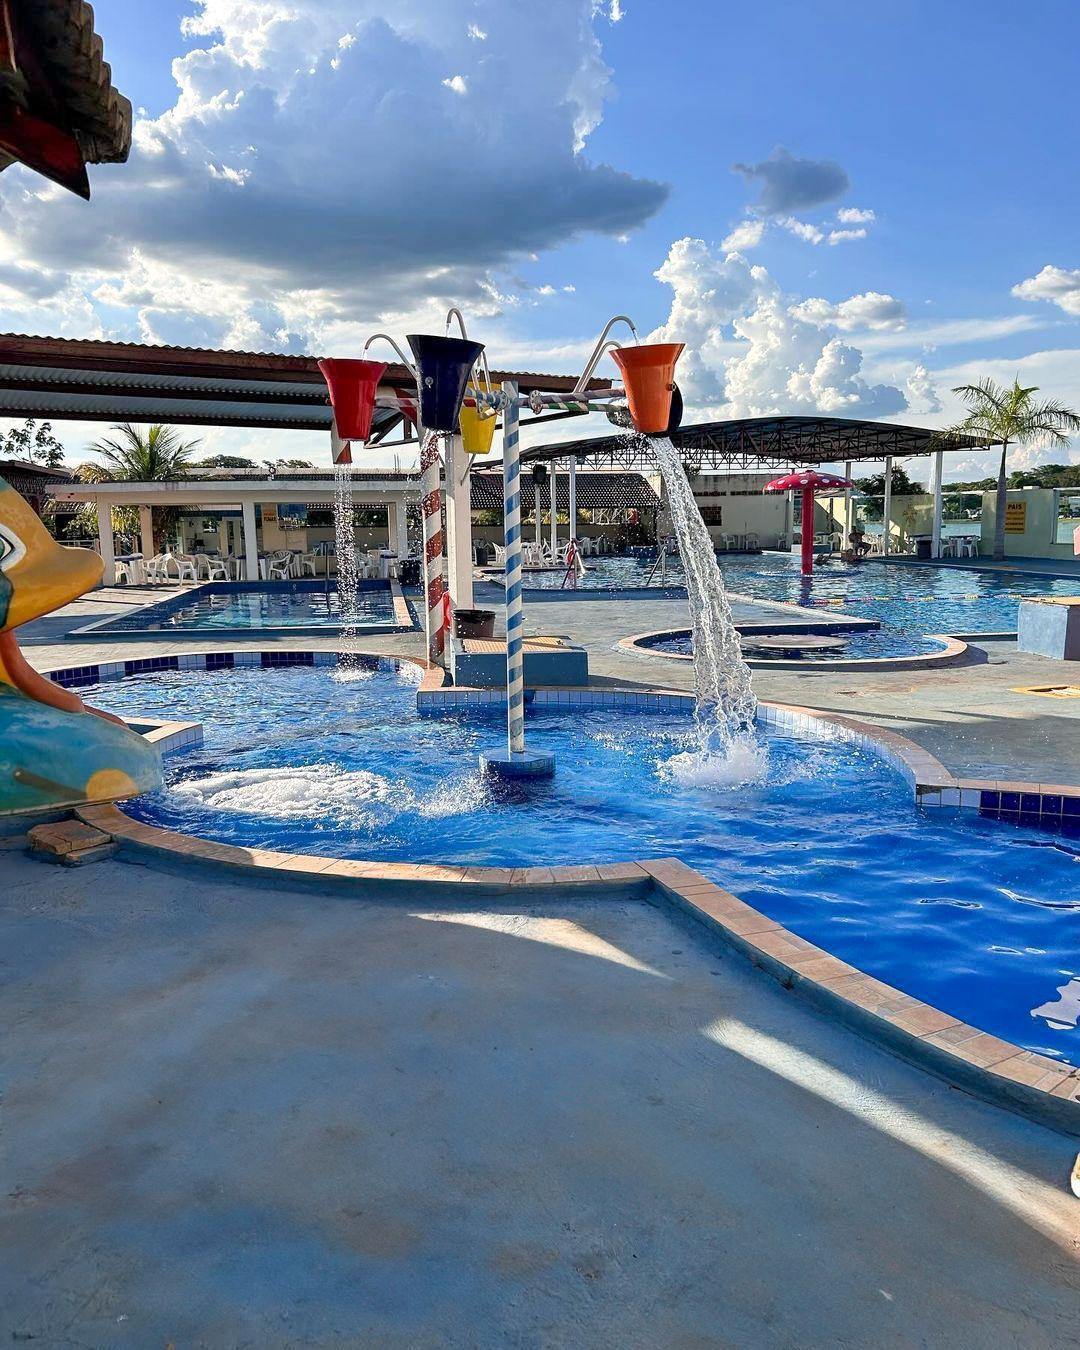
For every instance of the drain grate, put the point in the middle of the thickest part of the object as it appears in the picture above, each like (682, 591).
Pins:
(1052, 690)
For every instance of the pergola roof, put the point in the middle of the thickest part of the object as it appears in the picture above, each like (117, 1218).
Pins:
(595, 492)
(765, 442)
(133, 382)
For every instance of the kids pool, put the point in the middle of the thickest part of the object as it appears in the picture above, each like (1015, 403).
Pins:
(973, 916)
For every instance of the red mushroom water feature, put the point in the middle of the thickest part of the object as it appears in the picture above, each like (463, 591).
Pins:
(808, 482)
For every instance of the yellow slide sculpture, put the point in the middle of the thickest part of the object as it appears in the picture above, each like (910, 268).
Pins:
(54, 750)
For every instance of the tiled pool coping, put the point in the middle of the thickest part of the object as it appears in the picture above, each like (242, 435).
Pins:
(954, 651)
(1035, 1085)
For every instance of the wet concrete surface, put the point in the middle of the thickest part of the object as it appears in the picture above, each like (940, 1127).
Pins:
(241, 1116)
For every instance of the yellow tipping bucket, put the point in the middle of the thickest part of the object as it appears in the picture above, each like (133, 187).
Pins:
(477, 425)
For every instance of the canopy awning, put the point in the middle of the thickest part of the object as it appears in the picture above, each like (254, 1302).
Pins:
(764, 443)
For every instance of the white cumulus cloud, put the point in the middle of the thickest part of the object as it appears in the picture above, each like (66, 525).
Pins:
(1059, 285)
(313, 170)
(870, 310)
(845, 236)
(746, 235)
(750, 353)
(801, 229)
(854, 215)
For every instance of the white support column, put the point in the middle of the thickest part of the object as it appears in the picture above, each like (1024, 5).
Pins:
(553, 490)
(105, 542)
(573, 496)
(886, 539)
(251, 541)
(537, 514)
(935, 541)
(847, 505)
(399, 530)
(459, 525)
(146, 531)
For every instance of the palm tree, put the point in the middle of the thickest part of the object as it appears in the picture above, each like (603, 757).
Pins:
(155, 454)
(998, 414)
(152, 456)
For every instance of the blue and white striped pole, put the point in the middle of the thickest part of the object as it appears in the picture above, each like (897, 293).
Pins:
(516, 761)
(515, 613)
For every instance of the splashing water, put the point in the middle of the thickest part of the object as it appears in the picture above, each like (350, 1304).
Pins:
(727, 750)
(345, 548)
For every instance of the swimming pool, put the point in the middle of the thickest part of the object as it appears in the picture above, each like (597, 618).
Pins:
(240, 607)
(973, 916)
(908, 602)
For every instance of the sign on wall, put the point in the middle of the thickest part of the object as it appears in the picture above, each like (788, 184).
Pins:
(1016, 518)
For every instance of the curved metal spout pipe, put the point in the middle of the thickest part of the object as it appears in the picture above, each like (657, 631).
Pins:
(602, 345)
(385, 337)
(454, 313)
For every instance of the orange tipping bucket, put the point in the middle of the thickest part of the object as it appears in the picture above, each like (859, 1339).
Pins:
(352, 386)
(649, 376)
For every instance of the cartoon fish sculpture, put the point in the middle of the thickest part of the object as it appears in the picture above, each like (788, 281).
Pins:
(54, 750)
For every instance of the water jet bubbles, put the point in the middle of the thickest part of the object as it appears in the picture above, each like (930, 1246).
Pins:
(728, 750)
(347, 578)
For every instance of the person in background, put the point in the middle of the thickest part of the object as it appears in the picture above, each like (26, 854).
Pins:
(859, 545)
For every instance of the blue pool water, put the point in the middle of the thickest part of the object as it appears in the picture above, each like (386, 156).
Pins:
(976, 917)
(240, 607)
(873, 645)
(908, 602)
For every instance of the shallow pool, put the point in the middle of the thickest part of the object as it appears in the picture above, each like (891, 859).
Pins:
(877, 644)
(239, 606)
(974, 916)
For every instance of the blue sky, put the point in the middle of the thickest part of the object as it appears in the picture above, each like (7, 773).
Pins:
(905, 218)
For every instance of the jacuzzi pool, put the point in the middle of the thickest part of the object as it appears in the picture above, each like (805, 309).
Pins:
(973, 916)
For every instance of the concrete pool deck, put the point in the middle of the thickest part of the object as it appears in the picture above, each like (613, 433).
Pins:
(258, 1116)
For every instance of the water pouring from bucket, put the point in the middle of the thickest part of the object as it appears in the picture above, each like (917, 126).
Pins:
(725, 750)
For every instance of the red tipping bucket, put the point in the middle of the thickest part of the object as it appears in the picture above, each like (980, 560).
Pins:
(352, 386)
(649, 376)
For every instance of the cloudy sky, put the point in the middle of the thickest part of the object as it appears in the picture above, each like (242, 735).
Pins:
(842, 207)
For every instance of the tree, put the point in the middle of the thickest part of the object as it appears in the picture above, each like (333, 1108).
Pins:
(1000, 415)
(156, 454)
(874, 488)
(225, 462)
(33, 442)
(288, 464)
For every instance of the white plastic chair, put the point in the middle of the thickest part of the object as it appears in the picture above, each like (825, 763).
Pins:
(217, 569)
(279, 567)
(185, 566)
(306, 564)
(750, 540)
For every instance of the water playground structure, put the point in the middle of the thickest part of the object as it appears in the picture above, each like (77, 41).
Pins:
(455, 395)
(808, 482)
